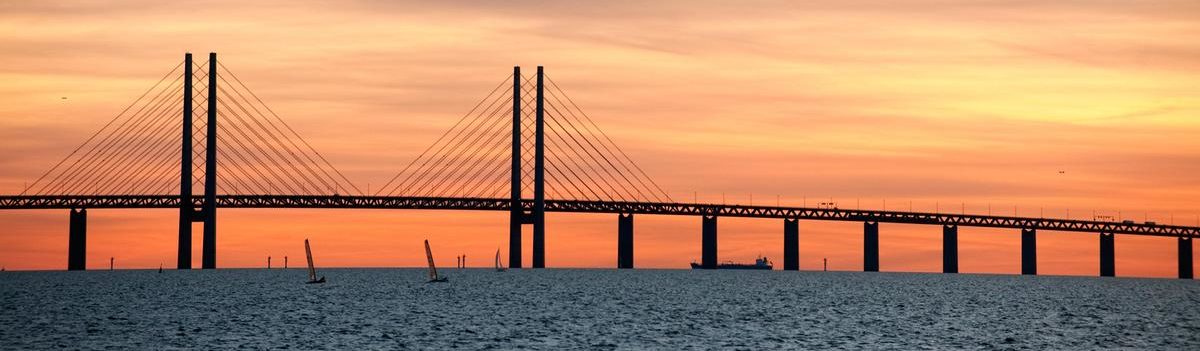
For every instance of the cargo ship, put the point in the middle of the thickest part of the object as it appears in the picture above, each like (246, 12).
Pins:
(759, 263)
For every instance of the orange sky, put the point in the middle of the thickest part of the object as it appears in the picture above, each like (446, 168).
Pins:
(934, 102)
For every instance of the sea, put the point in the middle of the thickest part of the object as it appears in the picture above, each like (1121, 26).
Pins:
(591, 309)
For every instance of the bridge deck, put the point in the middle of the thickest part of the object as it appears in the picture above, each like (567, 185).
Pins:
(580, 206)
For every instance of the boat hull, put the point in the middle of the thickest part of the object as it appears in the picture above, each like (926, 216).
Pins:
(738, 266)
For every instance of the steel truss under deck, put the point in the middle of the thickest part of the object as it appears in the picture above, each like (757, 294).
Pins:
(583, 206)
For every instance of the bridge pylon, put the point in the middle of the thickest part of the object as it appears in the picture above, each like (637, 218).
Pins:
(188, 213)
(535, 215)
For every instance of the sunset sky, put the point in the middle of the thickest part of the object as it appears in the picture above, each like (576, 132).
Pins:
(944, 104)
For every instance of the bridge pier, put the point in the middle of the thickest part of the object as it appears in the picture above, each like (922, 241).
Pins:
(949, 248)
(539, 183)
(514, 239)
(1029, 251)
(187, 211)
(625, 241)
(1185, 257)
(870, 246)
(539, 239)
(77, 241)
(791, 244)
(516, 212)
(209, 251)
(708, 248)
(1108, 255)
(184, 255)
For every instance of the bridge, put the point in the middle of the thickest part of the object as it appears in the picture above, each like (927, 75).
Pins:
(149, 156)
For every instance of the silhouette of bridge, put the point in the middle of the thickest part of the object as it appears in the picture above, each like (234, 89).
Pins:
(503, 155)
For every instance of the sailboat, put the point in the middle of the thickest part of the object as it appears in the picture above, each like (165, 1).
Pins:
(312, 271)
(499, 266)
(433, 275)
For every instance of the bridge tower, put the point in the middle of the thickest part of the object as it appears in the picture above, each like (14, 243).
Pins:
(187, 210)
(536, 215)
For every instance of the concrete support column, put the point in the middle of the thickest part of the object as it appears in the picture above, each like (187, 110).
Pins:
(625, 241)
(709, 244)
(208, 251)
(1029, 251)
(791, 244)
(77, 241)
(1108, 255)
(184, 255)
(208, 254)
(539, 169)
(516, 212)
(949, 249)
(870, 246)
(1185, 257)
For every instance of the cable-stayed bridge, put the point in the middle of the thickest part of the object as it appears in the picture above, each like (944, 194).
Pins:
(199, 139)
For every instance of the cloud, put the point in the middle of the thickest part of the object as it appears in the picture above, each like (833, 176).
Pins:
(935, 100)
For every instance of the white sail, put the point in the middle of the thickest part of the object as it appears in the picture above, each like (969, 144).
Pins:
(499, 263)
(312, 271)
(432, 269)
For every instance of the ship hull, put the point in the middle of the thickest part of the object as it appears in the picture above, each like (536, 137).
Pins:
(736, 266)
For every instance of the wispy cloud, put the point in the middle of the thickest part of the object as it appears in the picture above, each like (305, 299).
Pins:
(979, 102)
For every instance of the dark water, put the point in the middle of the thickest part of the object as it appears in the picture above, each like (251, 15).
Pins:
(592, 309)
